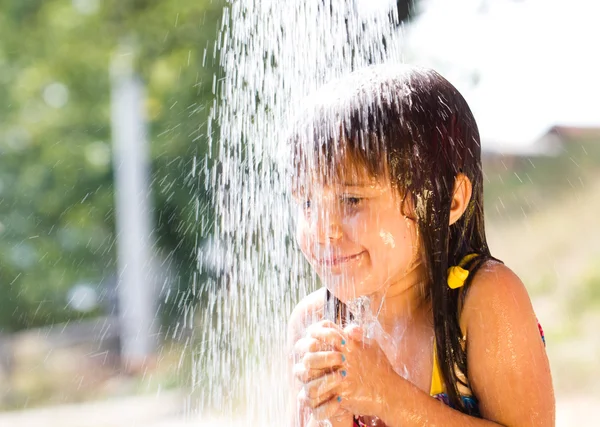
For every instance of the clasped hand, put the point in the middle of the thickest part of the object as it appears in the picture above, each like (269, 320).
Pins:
(341, 373)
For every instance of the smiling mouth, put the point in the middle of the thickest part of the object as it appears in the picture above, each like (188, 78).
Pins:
(331, 262)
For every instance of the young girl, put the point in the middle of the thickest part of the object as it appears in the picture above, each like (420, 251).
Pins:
(417, 324)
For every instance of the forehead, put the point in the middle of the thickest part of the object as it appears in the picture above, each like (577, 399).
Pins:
(337, 155)
(341, 169)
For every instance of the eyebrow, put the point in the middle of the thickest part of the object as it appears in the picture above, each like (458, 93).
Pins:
(359, 184)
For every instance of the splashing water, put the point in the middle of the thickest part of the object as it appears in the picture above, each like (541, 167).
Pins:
(274, 53)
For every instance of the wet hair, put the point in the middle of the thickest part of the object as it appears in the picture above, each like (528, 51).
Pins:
(410, 124)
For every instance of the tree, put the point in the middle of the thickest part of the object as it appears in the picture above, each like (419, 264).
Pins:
(56, 192)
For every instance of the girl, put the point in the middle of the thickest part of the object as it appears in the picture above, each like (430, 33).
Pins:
(417, 323)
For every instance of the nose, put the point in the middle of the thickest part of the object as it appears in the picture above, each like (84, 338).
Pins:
(326, 225)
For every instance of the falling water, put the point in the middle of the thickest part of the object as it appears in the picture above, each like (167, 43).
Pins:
(274, 54)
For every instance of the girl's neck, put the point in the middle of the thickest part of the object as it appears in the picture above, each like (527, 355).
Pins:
(403, 301)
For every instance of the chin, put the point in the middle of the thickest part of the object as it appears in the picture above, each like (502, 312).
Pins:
(346, 289)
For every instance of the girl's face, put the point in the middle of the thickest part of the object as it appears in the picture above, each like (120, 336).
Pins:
(356, 236)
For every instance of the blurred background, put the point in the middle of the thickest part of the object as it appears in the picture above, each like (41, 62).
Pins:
(103, 114)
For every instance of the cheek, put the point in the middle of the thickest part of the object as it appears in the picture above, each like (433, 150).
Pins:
(360, 227)
(302, 232)
(388, 239)
(393, 244)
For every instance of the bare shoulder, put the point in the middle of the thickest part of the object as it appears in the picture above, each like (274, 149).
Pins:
(496, 287)
(309, 310)
(496, 290)
(498, 299)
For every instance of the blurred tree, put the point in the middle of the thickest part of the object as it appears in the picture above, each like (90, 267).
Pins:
(56, 194)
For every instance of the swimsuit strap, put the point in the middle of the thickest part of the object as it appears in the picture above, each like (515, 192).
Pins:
(437, 385)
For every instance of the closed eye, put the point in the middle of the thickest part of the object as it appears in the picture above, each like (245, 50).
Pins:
(352, 201)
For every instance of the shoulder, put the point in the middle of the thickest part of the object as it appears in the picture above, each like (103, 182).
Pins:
(496, 289)
(496, 303)
(309, 310)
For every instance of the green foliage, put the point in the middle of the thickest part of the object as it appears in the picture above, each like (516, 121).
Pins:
(56, 190)
(516, 186)
(586, 297)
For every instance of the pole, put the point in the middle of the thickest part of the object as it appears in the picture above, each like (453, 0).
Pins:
(135, 287)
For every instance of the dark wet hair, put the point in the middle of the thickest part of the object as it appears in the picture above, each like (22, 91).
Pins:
(412, 124)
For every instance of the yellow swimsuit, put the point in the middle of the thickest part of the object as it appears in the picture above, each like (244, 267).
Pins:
(436, 389)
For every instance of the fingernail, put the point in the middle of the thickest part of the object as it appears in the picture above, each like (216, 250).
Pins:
(343, 373)
(343, 358)
(343, 342)
(339, 398)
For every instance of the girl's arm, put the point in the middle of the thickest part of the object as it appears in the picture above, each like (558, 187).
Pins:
(337, 422)
(508, 367)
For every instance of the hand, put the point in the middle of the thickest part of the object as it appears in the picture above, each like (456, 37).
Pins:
(367, 373)
(318, 357)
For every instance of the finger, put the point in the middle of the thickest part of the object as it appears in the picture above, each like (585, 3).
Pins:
(323, 324)
(323, 359)
(335, 338)
(305, 375)
(354, 332)
(320, 387)
(305, 345)
(314, 402)
(327, 410)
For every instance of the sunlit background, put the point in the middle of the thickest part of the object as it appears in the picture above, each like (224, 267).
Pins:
(104, 107)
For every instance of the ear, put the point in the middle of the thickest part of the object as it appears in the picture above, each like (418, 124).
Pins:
(461, 195)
